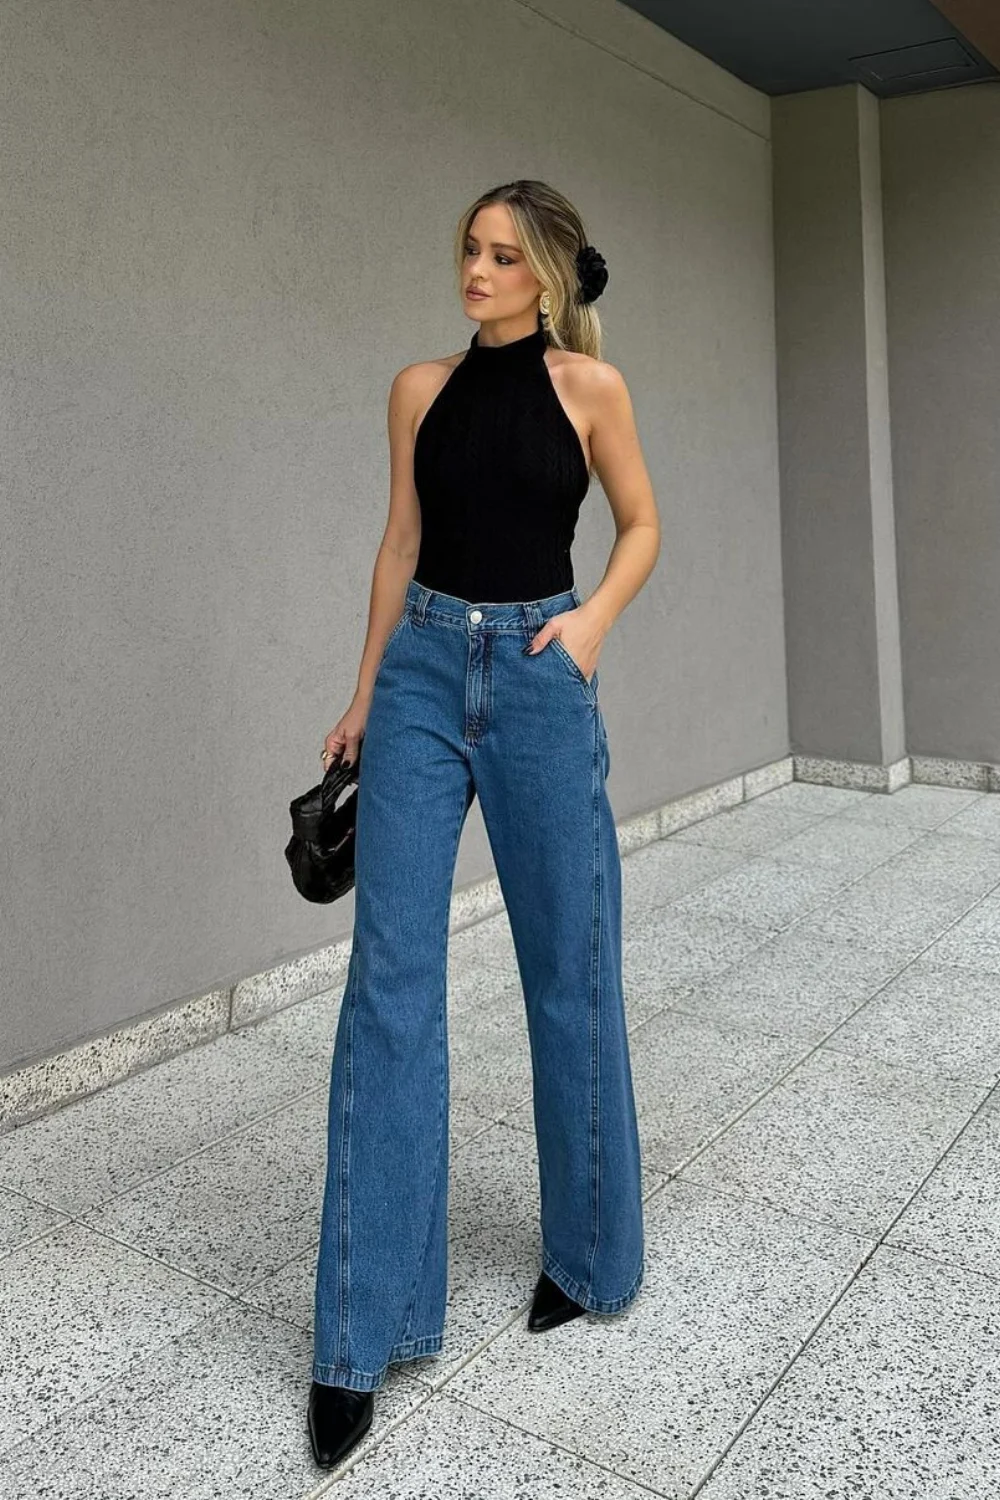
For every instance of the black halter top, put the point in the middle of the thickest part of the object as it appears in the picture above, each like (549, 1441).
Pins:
(500, 474)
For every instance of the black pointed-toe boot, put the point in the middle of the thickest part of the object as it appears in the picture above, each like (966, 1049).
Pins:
(551, 1306)
(337, 1419)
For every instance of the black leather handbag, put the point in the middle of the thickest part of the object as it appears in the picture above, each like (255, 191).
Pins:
(320, 852)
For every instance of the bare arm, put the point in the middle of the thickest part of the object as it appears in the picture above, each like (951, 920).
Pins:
(617, 458)
(622, 471)
(395, 560)
(397, 554)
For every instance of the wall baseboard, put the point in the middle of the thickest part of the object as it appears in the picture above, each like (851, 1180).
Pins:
(47, 1083)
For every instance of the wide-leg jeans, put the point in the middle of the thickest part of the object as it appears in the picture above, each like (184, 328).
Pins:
(457, 711)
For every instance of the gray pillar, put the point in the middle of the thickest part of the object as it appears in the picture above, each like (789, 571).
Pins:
(838, 539)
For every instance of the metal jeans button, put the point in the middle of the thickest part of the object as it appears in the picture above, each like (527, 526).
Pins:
(475, 615)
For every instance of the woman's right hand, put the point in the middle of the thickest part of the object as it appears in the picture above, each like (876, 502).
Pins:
(346, 734)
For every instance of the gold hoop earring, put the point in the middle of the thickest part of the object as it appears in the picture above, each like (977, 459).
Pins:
(545, 308)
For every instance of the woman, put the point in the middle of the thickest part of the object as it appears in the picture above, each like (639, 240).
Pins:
(479, 677)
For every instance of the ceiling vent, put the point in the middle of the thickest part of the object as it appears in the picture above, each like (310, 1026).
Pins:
(912, 64)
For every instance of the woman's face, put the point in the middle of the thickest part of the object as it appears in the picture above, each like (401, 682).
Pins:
(494, 264)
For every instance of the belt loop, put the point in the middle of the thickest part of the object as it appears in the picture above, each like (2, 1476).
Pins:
(533, 617)
(423, 598)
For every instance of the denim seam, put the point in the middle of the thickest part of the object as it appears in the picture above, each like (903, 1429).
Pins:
(413, 1348)
(595, 995)
(449, 622)
(580, 677)
(345, 1227)
(398, 1354)
(441, 1142)
(488, 654)
(469, 720)
(395, 630)
(579, 1293)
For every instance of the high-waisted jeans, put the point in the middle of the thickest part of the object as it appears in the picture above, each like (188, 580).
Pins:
(459, 710)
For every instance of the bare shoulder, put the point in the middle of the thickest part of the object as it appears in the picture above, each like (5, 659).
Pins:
(584, 370)
(422, 372)
(595, 383)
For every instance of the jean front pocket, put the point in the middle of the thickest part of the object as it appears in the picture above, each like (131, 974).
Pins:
(589, 683)
(394, 633)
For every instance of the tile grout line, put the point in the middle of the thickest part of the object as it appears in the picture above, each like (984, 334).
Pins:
(877, 1242)
(773, 936)
(715, 1136)
(832, 898)
(78, 1216)
(776, 1083)
(439, 1387)
(749, 781)
(370, 1444)
(504, 1422)
(881, 1242)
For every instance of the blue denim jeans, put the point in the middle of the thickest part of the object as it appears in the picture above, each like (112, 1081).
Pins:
(459, 710)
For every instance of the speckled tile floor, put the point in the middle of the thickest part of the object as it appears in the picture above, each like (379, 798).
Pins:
(813, 988)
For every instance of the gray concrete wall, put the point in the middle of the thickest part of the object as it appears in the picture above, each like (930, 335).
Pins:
(225, 229)
(839, 551)
(941, 184)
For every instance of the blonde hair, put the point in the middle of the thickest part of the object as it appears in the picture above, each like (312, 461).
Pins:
(551, 233)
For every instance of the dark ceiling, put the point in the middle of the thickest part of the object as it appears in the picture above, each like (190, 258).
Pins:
(784, 46)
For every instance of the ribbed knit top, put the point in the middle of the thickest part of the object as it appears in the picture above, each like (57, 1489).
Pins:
(500, 474)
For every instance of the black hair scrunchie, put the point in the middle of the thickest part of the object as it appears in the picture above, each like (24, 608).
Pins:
(592, 271)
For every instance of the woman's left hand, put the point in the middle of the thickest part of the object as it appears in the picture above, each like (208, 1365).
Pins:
(580, 634)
